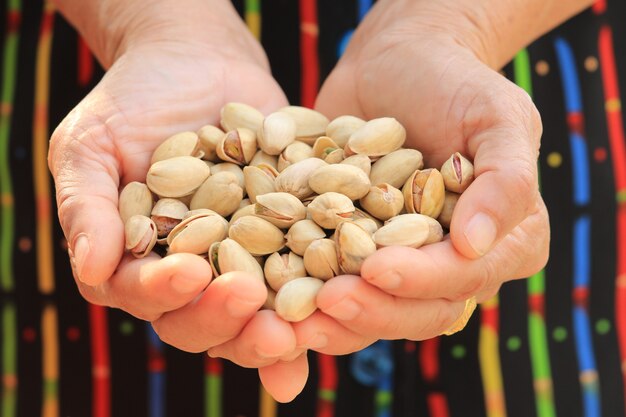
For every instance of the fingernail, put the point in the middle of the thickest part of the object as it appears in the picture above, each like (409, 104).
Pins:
(481, 232)
(184, 284)
(79, 253)
(346, 309)
(388, 280)
(318, 341)
(239, 307)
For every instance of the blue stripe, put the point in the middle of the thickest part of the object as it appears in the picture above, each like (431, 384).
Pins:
(582, 264)
(156, 380)
(343, 43)
(364, 6)
(580, 169)
(586, 362)
(569, 77)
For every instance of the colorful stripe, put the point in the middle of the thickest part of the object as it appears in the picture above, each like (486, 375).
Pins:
(212, 387)
(383, 399)
(156, 374)
(9, 360)
(267, 404)
(327, 386)
(85, 63)
(489, 357)
(50, 361)
(309, 31)
(252, 15)
(429, 364)
(100, 361)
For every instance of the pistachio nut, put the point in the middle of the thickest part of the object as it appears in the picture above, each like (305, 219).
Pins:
(243, 211)
(412, 230)
(369, 225)
(344, 179)
(320, 259)
(424, 192)
(256, 235)
(280, 209)
(277, 131)
(180, 144)
(229, 256)
(166, 214)
(342, 127)
(270, 301)
(354, 244)
(233, 169)
(295, 301)
(330, 209)
(376, 137)
(383, 201)
(280, 269)
(177, 177)
(449, 203)
(359, 161)
(261, 158)
(301, 234)
(295, 178)
(458, 173)
(324, 146)
(141, 235)
(210, 137)
(259, 180)
(220, 193)
(310, 123)
(197, 233)
(236, 115)
(335, 157)
(396, 167)
(237, 146)
(135, 198)
(293, 153)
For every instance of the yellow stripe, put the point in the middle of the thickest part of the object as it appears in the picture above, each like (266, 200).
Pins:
(490, 367)
(267, 406)
(613, 105)
(253, 20)
(50, 359)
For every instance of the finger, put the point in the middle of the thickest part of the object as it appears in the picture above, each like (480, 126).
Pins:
(285, 380)
(86, 183)
(333, 105)
(217, 315)
(264, 340)
(368, 311)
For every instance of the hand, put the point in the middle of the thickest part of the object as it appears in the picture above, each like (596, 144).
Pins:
(162, 81)
(422, 64)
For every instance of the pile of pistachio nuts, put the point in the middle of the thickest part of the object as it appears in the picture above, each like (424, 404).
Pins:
(292, 198)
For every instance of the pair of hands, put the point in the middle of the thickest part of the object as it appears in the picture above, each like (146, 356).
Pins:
(403, 61)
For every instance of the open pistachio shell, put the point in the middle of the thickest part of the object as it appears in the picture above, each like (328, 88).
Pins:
(359, 161)
(330, 209)
(310, 123)
(424, 193)
(229, 256)
(458, 173)
(354, 244)
(280, 209)
(197, 233)
(320, 259)
(233, 169)
(412, 230)
(261, 158)
(383, 201)
(180, 144)
(256, 235)
(236, 115)
(301, 234)
(237, 146)
(377, 137)
(220, 193)
(141, 235)
(324, 146)
(293, 153)
(295, 178)
(369, 225)
(342, 127)
(396, 167)
(295, 301)
(343, 179)
(280, 269)
(177, 177)
(135, 199)
(335, 157)
(449, 203)
(259, 180)
(277, 131)
(166, 214)
(210, 137)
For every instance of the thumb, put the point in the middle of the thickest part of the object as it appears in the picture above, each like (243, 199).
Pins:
(285, 380)
(85, 171)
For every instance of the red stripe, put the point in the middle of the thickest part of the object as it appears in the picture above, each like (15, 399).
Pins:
(327, 366)
(536, 304)
(437, 405)
(14, 20)
(490, 317)
(309, 82)
(100, 360)
(47, 22)
(599, 6)
(85, 63)
(429, 359)
(213, 366)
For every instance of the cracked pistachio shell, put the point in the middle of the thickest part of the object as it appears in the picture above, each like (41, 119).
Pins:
(197, 212)
(360, 214)
(301, 234)
(270, 301)
(177, 177)
(134, 199)
(335, 157)
(280, 209)
(261, 158)
(180, 144)
(320, 259)
(424, 193)
(330, 209)
(377, 137)
(295, 301)
(323, 146)
(210, 137)
(243, 211)
(141, 235)
(166, 214)
(383, 201)
(435, 231)
(277, 131)
(339, 178)
(295, 178)
(229, 256)
(410, 230)
(233, 169)
(359, 161)
(354, 244)
(369, 225)
(259, 180)
(449, 203)
(342, 127)
(256, 235)
(197, 233)
(280, 269)
(396, 167)
(310, 124)
(458, 173)
(296, 152)
(220, 193)
(237, 146)
(236, 115)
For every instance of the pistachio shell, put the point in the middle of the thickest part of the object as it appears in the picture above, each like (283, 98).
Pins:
(449, 203)
(301, 234)
(134, 199)
(197, 233)
(229, 256)
(210, 137)
(343, 179)
(461, 322)
(256, 235)
(277, 131)
(383, 201)
(186, 199)
(280, 209)
(360, 214)
(354, 244)
(261, 158)
(259, 180)
(324, 146)
(293, 153)
(320, 259)
(236, 115)
(330, 209)
(295, 301)
(243, 211)
(412, 230)
(220, 193)
(369, 225)
(196, 212)
(396, 167)
(377, 137)
(458, 173)
(342, 127)
(270, 301)
(166, 214)
(295, 178)
(310, 123)
(233, 169)
(359, 161)
(177, 177)
(335, 157)
(180, 144)
(237, 146)
(280, 269)
(141, 235)
(424, 193)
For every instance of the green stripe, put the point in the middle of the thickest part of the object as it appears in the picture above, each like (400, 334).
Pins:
(536, 283)
(213, 396)
(253, 6)
(326, 394)
(521, 66)
(50, 388)
(383, 400)
(9, 359)
(621, 196)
